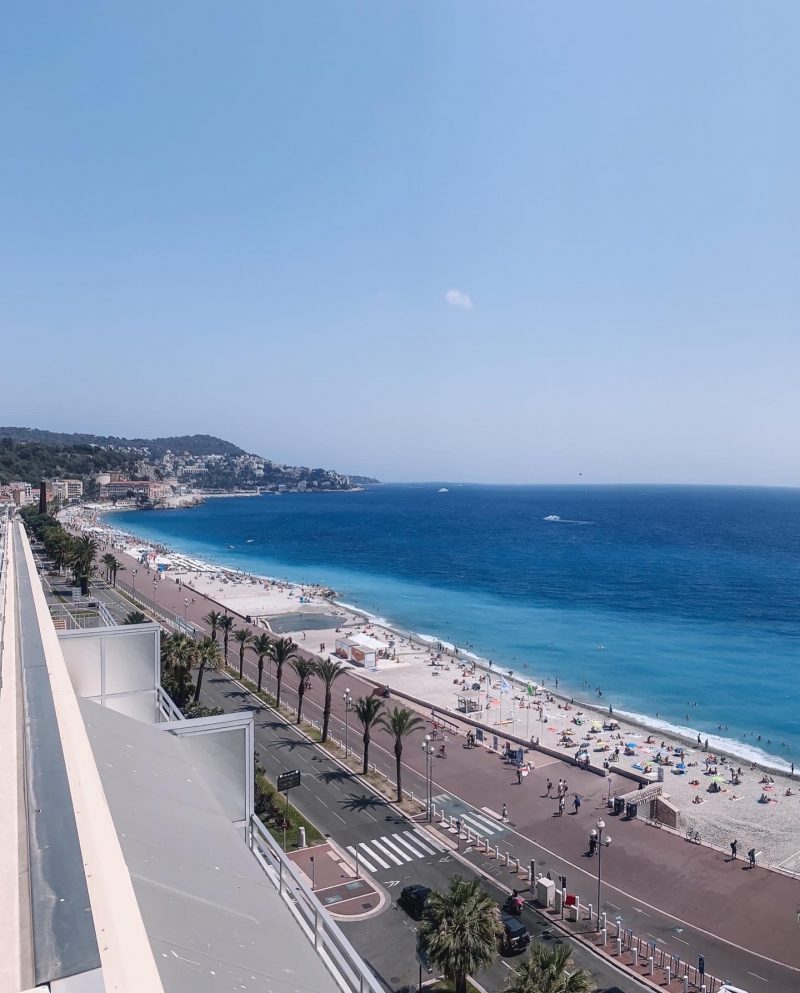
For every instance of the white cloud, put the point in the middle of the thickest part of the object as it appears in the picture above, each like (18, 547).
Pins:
(458, 298)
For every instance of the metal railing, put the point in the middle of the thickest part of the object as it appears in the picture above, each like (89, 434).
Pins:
(342, 960)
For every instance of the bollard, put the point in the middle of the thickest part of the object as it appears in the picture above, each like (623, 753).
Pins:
(650, 965)
(686, 982)
(590, 911)
(577, 908)
(635, 956)
(619, 946)
(604, 932)
(619, 928)
(497, 852)
(412, 792)
(703, 988)
(604, 922)
(668, 973)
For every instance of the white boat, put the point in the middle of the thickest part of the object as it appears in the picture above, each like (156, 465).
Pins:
(552, 517)
(444, 489)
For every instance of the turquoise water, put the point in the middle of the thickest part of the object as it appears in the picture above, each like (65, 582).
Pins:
(679, 603)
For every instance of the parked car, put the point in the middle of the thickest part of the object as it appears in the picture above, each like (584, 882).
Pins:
(516, 937)
(413, 899)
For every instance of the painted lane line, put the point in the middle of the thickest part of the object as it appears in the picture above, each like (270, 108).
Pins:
(756, 976)
(431, 842)
(361, 859)
(374, 856)
(426, 847)
(402, 839)
(396, 848)
(378, 843)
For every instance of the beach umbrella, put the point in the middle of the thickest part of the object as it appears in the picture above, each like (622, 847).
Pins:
(681, 766)
(630, 744)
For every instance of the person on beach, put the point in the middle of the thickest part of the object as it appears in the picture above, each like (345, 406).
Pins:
(734, 845)
(751, 855)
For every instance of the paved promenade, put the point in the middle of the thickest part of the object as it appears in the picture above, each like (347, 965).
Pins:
(661, 880)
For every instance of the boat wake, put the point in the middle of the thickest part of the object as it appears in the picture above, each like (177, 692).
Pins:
(564, 520)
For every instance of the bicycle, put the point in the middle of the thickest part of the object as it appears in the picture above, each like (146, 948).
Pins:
(693, 836)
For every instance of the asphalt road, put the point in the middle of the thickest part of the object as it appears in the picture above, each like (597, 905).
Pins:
(394, 851)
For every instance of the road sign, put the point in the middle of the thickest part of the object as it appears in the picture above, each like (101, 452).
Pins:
(288, 780)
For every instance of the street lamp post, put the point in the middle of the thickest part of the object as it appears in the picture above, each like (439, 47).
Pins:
(155, 589)
(134, 582)
(185, 606)
(346, 698)
(600, 843)
(427, 747)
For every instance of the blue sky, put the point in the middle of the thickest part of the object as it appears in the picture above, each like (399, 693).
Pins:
(442, 240)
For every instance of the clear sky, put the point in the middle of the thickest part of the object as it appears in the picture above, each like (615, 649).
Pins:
(489, 241)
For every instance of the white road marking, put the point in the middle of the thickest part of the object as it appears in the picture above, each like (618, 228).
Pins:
(402, 839)
(375, 857)
(755, 974)
(361, 859)
(396, 848)
(378, 843)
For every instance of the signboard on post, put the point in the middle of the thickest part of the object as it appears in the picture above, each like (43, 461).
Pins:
(288, 780)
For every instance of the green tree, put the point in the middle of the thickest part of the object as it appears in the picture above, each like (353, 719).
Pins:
(177, 656)
(226, 625)
(82, 561)
(305, 669)
(328, 671)
(245, 639)
(368, 711)
(400, 722)
(460, 930)
(262, 646)
(107, 561)
(212, 619)
(282, 651)
(545, 971)
(135, 617)
(116, 566)
(208, 654)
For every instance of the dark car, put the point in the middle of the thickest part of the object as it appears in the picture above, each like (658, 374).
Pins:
(413, 899)
(516, 936)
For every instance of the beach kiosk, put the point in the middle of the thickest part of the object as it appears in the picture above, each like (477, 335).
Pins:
(468, 702)
(360, 649)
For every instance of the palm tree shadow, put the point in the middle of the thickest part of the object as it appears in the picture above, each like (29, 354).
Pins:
(336, 776)
(363, 801)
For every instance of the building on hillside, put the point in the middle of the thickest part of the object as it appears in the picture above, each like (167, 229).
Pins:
(119, 489)
(67, 489)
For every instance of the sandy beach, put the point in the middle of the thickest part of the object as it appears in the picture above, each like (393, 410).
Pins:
(722, 794)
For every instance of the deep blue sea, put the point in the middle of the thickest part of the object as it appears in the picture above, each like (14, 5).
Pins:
(678, 602)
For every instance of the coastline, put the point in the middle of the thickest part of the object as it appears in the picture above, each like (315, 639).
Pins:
(416, 656)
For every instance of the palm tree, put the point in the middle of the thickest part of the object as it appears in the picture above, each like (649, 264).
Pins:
(135, 617)
(177, 654)
(460, 930)
(207, 654)
(212, 619)
(328, 671)
(107, 561)
(282, 651)
(82, 561)
(226, 624)
(262, 645)
(245, 638)
(305, 669)
(368, 711)
(400, 722)
(545, 971)
(116, 566)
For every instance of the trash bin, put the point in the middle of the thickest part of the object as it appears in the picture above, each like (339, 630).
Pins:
(631, 810)
(619, 805)
(301, 838)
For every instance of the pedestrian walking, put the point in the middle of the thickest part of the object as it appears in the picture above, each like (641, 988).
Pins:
(504, 814)
(549, 787)
(734, 845)
(752, 857)
(519, 775)
(576, 803)
(458, 826)
(561, 805)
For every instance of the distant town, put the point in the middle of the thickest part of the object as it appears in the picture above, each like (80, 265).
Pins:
(158, 473)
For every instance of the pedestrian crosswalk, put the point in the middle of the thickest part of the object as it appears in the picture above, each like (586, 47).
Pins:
(392, 850)
(481, 824)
